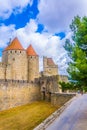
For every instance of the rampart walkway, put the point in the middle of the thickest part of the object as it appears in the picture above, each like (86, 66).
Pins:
(74, 116)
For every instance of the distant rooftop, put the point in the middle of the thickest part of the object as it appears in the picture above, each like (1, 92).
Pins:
(50, 61)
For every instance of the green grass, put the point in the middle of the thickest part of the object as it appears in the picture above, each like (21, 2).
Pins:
(25, 117)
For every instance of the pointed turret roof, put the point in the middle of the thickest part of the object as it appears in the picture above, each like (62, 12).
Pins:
(14, 45)
(31, 51)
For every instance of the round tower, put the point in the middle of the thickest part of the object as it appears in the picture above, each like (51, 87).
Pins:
(33, 64)
(15, 56)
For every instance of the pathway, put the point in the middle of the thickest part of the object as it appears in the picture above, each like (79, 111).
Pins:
(74, 116)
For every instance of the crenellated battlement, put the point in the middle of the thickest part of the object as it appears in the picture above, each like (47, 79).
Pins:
(15, 93)
(20, 80)
(18, 63)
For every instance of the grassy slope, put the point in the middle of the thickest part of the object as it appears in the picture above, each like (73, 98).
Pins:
(25, 117)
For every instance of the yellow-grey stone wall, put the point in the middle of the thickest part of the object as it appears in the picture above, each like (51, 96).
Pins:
(33, 67)
(45, 62)
(14, 94)
(49, 70)
(63, 78)
(2, 71)
(49, 84)
(59, 99)
(17, 59)
(5, 57)
(8, 72)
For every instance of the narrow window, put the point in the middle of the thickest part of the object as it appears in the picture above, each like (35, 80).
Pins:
(13, 59)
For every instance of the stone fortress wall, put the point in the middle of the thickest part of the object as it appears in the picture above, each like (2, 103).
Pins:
(19, 92)
(16, 93)
(20, 80)
(2, 70)
(18, 63)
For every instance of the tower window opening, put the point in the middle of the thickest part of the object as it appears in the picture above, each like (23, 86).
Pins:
(13, 59)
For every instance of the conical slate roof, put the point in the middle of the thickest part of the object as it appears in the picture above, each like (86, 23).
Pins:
(31, 51)
(14, 45)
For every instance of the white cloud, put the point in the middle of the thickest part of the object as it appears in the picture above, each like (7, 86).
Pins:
(0, 59)
(45, 44)
(57, 15)
(7, 7)
(5, 34)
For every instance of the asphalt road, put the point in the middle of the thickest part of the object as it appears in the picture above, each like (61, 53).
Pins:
(74, 116)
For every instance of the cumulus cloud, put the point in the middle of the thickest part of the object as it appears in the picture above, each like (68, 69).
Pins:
(5, 34)
(57, 15)
(54, 15)
(0, 59)
(7, 7)
(45, 44)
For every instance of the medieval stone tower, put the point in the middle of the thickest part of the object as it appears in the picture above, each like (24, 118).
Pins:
(15, 56)
(49, 67)
(33, 64)
(23, 64)
(18, 69)
(18, 63)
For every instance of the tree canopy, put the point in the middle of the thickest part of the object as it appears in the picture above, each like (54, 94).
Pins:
(77, 51)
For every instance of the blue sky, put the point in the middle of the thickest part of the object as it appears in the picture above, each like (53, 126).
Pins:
(42, 23)
(29, 12)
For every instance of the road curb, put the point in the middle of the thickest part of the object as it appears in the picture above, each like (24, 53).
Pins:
(53, 116)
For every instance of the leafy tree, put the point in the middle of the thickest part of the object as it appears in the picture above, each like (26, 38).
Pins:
(70, 86)
(77, 51)
(66, 86)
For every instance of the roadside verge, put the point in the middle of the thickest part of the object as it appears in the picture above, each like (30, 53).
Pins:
(53, 116)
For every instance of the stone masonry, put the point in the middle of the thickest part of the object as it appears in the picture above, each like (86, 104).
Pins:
(20, 80)
(20, 64)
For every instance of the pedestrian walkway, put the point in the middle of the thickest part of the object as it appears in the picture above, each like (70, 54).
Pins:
(74, 116)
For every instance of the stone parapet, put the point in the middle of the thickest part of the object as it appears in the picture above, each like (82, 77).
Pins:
(59, 99)
(16, 93)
